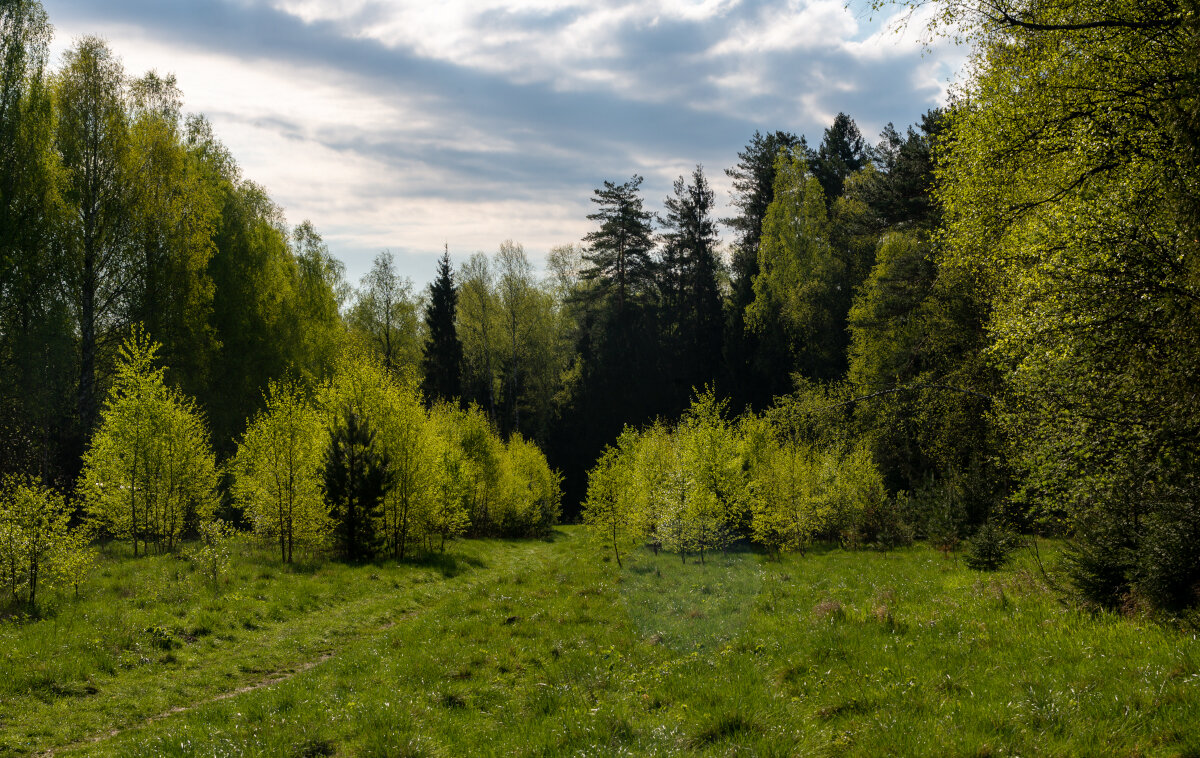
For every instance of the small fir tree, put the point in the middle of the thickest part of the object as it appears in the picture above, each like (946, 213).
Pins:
(357, 477)
(442, 364)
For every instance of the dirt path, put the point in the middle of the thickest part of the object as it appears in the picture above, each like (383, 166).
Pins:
(277, 677)
(274, 678)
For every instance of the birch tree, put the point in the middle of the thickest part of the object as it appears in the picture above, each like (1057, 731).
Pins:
(277, 471)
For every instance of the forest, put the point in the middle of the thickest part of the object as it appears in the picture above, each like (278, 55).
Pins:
(991, 312)
(911, 440)
(974, 337)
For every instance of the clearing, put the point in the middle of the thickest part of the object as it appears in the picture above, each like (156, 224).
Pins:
(542, 647)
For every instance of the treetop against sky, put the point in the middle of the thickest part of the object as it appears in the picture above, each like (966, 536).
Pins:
(407, 125)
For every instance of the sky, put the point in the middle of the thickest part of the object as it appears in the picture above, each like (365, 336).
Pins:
(407, 126)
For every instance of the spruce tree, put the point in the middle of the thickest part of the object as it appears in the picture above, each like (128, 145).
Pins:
(442, 363)
(842, 152)
(692, 303)
(357, 476)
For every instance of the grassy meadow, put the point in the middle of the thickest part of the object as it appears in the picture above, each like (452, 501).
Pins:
(545, 647)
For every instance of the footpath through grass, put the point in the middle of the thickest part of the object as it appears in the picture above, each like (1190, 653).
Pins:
(545, 648)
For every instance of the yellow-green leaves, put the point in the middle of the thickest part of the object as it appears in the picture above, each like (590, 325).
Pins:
(149, 468)
(452, 472)
(276, 472)
(797, 286)
(37, 549)
(707, 482)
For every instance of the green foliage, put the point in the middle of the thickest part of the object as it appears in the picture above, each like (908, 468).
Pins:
(149, 473)
(451, 472)
(479, 329)
(841, 153)
(618, 251)
(608, 507)
(315, 311)
(531, 491)
(689, 270)
(756, 370)
(385, 313)
(37, 549)
(708, 482)
(990, 548)
(441, 362)
(175, 216)
(1077, 218)
(93, 144)
(357, 476)
(797, 291)
(448, 516)
(277, 471)
(213, 552)
(515, 343)
(37, 341)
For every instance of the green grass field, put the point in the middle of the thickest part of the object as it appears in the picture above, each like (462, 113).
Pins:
(545, 648)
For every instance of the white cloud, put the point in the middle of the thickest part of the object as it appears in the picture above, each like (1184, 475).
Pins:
(404, 125)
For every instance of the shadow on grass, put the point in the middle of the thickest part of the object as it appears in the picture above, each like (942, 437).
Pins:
(449, 565)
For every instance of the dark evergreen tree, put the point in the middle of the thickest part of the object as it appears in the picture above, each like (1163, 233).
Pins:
(898, 193)
(442, 363)
(842, 152)
(756, 367)
(357, 475)
(618, 253)
(691, 315)
(618, 362)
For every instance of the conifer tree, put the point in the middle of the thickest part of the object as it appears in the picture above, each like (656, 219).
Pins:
(842, 152)
(357, 476)
(692, 303)
(442, 364)
(618, 253)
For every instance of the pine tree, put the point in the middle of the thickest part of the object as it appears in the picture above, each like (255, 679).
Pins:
(357, 476)
(442, 364)
(692, 303)
(618, 253)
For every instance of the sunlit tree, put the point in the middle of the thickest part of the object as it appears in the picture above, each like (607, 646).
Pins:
(277, 471)
(33, 535)
(149, 468)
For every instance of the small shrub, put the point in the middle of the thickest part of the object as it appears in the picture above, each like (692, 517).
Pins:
(212, 555)
(989, 549)
(1167, 573)
(1100, 559)
(944, 526)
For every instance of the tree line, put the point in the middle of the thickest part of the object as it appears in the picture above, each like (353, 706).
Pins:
(358, 466)
(998, 302)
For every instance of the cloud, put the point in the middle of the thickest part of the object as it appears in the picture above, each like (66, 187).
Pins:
(406, 125)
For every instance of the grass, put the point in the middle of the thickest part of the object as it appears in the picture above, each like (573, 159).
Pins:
(546, 648)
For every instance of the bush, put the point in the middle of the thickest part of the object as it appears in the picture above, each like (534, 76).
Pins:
(212, 553)
(892, 528)
(1100, 558)
(990, 548)
(1168, 558)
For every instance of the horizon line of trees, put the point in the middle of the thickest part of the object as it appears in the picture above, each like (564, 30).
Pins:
(1003, 295)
